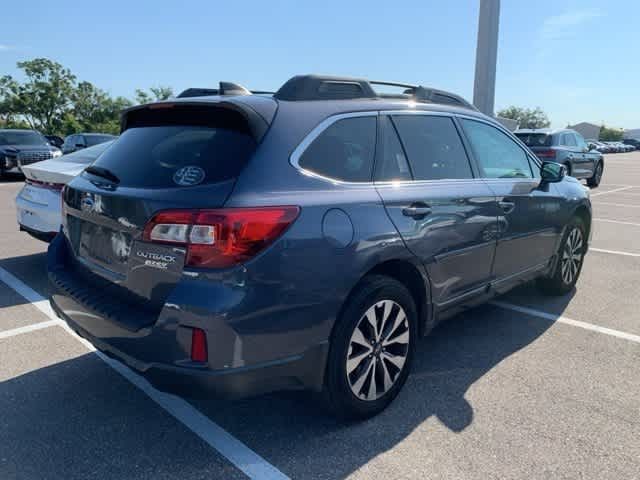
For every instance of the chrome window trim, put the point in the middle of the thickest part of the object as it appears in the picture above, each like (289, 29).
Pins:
(294, 158)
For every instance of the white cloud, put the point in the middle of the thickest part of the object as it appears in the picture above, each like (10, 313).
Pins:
(567, 24)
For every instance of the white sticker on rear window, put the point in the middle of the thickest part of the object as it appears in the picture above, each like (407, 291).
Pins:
(189, 175)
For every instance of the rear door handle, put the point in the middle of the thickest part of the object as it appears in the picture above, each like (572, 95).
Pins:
(507, 207)
(418, 211)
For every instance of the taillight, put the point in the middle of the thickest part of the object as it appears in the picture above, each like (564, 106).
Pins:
(198, 345)
(48, 185)
(222, 237)
(546, 154)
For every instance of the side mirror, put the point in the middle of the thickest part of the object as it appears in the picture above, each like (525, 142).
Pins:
(552, 172)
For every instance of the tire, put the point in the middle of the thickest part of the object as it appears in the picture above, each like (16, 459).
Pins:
(594, 181)
(568, 167)
(567, 268)
(348, 392)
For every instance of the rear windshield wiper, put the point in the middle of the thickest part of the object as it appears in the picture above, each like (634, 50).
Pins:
(102, 172)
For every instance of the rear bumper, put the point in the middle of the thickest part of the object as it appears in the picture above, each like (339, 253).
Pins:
(284, 374)
(39, 218)
(160, 351)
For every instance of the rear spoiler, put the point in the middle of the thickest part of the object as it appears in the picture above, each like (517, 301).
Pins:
(257, 114)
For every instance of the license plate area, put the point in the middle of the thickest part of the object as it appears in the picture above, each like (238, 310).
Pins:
(34, 195)
(154, 269)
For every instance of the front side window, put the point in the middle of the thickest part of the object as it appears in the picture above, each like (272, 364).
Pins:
(344, 151)
(433, 146)
(498, 156)
(582, 145)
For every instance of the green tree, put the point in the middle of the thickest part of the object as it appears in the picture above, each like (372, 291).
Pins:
(526, 117)
(608, 134)
(44, 97)
(155, 94)
(94, 110)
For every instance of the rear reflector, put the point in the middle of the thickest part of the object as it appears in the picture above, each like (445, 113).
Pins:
(220, 238)
(198, 345)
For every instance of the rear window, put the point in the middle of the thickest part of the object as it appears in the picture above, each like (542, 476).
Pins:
(535, 139)
(97, 139)
(157, 153)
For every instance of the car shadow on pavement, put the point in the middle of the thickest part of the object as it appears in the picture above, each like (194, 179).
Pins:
(11, 178)
(30, 269)
(78, 419)
(289, 429)
(66, 413)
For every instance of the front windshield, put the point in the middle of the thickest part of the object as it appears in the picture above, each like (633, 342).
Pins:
(8, 137)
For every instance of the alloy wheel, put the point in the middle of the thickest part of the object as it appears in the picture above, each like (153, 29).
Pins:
(572, 256)
(378, 350)
(598, 173)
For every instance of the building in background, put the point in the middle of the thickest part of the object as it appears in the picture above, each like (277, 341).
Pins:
(632, 133)
(587, 130)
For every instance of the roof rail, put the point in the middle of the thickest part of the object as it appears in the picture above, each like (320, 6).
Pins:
(322, 87)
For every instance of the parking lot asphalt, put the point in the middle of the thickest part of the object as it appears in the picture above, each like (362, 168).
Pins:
(531, 387)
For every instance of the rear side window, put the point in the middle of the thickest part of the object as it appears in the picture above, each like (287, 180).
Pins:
(344, 151)
(568, 140)
(391, 163)
(498, 156)
(433, 146)
(166, 151)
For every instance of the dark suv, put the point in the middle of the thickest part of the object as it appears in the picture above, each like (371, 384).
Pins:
(23, 147)
(567, 147)
(243, 243)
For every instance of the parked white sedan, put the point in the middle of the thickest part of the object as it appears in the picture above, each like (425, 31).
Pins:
(38, 203)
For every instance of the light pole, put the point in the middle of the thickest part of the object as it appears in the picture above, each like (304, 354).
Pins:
(484, 86)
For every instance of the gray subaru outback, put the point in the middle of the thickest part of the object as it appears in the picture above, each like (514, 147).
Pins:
(241, 242)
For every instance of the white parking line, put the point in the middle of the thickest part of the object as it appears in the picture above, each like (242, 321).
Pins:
(29, 328)
(245, 459)
(616, 221)
(611, 191)
(614, 252)
(630, 194)
(560, 319)
(617, 204)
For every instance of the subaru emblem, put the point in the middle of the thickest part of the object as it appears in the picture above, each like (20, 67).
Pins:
(189, 175)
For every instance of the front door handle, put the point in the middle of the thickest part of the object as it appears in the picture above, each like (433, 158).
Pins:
(417, 211)
(507, 207)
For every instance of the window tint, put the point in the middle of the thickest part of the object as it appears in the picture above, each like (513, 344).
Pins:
(344, 151)
(391, 163)
(433, 146)
(498, 155)
(535, 139)
(150, 156)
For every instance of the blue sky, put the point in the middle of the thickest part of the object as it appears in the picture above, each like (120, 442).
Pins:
(578, 60)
